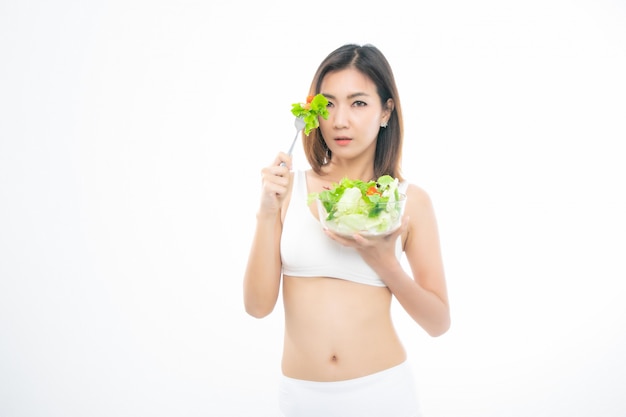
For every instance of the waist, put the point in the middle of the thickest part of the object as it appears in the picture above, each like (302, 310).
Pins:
(336, 329)
(402, 368)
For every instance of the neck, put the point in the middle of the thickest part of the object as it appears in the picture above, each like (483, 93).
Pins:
(337, 170)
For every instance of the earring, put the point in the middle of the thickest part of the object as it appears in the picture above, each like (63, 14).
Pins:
(383, 124)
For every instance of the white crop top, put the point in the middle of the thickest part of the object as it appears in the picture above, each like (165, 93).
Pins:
(307, 252)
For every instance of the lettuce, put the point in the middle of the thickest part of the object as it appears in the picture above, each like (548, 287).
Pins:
(310, 112)
(354, 206)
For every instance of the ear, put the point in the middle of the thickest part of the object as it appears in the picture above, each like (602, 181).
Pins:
(389, 105)
(388, 109)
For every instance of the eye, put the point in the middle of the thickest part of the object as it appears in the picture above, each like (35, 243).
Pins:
(330, 104)
(359, 103)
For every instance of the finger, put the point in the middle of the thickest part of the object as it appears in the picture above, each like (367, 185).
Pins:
(285, 160)
(275, 173)
(365, 241)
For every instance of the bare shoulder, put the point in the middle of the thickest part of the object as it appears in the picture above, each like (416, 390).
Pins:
(417, 197)
(422, 229)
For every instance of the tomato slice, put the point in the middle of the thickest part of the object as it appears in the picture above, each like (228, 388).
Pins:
(372, 190)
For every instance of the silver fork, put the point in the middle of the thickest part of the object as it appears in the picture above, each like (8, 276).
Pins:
(299, 124)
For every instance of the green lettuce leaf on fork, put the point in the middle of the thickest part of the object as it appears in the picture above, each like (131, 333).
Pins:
(310, 111)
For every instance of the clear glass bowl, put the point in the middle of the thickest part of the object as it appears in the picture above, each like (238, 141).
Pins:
(349, 220)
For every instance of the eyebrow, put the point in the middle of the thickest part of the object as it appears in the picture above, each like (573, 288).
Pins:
(353, 95)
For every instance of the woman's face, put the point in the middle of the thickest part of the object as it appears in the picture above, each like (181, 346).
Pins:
(355, 113)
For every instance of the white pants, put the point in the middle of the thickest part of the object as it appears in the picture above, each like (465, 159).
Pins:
(389, 393)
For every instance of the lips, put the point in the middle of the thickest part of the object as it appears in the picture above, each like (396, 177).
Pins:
(342, 141)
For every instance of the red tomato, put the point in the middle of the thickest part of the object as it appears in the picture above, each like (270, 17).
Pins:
(372, 190)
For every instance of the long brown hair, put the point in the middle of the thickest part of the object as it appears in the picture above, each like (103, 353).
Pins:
(370, 61)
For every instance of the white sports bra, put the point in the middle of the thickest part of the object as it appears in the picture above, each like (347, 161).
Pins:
(307, 252)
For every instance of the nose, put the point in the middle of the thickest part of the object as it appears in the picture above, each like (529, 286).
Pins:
(339, 116)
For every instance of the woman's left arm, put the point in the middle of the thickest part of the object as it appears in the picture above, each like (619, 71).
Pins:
(424, 294)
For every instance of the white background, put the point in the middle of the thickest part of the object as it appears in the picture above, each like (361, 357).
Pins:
(132, 134)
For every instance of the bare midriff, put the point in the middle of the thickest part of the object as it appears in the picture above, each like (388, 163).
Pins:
(337, 329)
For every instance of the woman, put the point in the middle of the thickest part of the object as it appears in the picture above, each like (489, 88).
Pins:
(341, 354)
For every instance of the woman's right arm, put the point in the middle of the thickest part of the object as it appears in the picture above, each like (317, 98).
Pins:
(261, 283)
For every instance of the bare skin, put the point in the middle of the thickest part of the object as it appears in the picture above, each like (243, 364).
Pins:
(337, 329)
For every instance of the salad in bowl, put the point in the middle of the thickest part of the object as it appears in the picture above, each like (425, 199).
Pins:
(369, 208)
